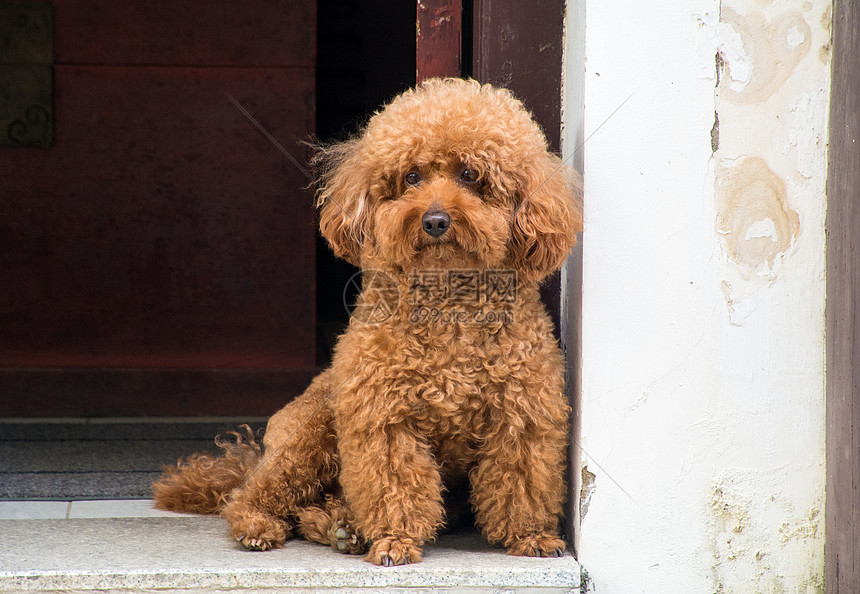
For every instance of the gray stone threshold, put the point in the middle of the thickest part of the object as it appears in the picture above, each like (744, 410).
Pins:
(195, 554)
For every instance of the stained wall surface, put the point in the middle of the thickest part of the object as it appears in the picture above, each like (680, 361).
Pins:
(703, 292)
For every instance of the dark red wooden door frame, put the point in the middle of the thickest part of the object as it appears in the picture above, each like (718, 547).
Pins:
(515, 45)
(439, 33)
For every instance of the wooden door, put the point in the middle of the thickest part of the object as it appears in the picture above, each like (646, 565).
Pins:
(157, 251)
(842, 549)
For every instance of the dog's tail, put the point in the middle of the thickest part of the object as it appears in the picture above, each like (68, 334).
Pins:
(202, 483)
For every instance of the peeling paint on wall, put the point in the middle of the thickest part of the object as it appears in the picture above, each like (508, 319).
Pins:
(586, 491)
(826, 23)
(805, 528)
(730, 513)
(770, 146)
(762, 54)
(715, 133)
(745, 525)
(753, 215)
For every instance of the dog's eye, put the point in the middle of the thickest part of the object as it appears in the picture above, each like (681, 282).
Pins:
(469, 176)
(413, 178)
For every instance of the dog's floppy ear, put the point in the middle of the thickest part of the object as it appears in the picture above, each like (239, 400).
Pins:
(547, 217)
(342, 197)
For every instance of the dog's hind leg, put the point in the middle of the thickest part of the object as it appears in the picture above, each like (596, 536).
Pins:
(332, 524)
(299, 461)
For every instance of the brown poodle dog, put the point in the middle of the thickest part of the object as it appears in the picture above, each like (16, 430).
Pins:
(448, 375)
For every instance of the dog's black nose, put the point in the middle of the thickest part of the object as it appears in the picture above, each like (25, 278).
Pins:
(436, 222)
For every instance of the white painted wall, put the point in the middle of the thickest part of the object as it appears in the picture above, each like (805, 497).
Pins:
(703, 292)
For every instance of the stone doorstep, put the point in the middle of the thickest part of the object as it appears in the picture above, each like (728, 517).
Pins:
(196, 554)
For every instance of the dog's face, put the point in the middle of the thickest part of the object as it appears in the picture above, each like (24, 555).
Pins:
(449, 175)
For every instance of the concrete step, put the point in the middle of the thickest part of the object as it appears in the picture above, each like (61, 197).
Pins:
(195, 554)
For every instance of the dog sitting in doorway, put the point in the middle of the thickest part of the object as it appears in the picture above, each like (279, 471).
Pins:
(448, 373)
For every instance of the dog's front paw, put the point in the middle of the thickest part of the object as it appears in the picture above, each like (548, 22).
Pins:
(258, 544)
(391, 550)
(344, 539)
(259, 531)
(537, 545)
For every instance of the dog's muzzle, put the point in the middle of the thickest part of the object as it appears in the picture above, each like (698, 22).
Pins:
(436, 222)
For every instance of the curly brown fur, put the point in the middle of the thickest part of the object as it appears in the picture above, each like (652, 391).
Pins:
(454, 178)
(201, 483)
